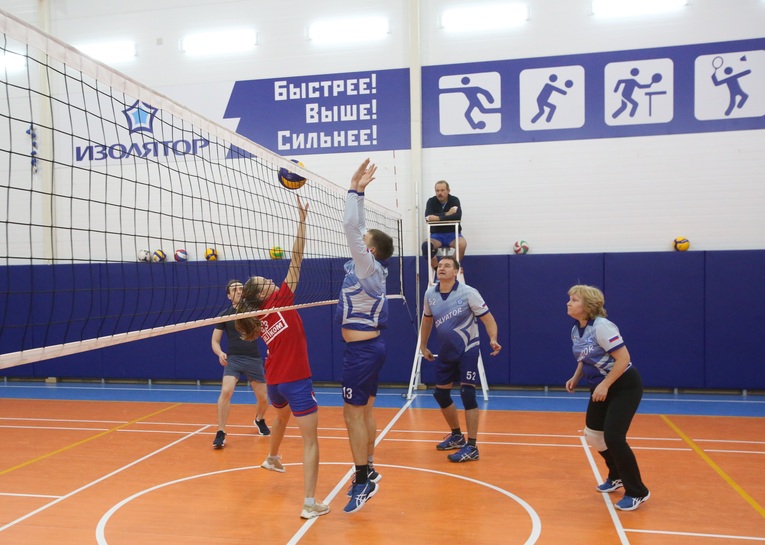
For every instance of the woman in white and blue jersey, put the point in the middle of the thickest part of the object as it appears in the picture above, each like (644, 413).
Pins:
(615, 392)
(362, 311)
(454, 308)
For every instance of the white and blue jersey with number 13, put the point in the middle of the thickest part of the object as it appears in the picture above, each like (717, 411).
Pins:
(362, 304)
(454, 315)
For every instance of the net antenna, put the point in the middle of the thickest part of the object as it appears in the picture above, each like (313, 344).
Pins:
(96, 168)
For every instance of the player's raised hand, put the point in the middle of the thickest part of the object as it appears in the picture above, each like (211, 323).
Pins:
(368, 176)
(356, 178)
(303, 210)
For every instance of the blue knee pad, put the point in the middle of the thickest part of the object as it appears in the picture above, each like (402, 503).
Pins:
(443, 397)
(467, 393)
(433, 250)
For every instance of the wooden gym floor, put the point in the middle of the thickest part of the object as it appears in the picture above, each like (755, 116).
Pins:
(127, 466)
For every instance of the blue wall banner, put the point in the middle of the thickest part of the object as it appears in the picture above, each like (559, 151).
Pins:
(645, 92)
(359, 111)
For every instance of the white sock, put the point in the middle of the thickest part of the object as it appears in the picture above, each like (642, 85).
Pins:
(309, 501)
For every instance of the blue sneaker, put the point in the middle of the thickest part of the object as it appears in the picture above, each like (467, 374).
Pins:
(609, 485)
(360, 494)
(628, 503)
(467, 453)
(452, 441)
(373, 476)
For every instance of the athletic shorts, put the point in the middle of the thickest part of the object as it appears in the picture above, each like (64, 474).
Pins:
(362, 361)
(444, 238)
(464, 370)
(297, 394)
(251, 367)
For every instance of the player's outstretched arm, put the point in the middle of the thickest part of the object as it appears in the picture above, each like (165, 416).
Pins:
(293, 273)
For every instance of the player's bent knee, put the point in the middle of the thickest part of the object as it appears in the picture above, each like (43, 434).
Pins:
(433, 249)
(595, 439)
(467, 393)
(443, 397)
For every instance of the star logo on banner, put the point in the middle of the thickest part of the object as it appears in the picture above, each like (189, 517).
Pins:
(140, 117)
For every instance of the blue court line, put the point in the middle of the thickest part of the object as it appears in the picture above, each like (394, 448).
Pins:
(514, 400)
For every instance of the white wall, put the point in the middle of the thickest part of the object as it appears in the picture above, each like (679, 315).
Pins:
(625, 194)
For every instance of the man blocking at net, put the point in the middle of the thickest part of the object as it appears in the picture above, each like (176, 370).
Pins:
(362, 311)
(242, 357)
(453, 307)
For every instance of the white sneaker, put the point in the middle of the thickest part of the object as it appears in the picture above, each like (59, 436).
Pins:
(273, 463)
(316, 510)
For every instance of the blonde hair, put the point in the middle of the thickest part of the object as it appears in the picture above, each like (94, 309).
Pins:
(592, 300)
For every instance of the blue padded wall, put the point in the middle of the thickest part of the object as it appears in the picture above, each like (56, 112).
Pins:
(735, 319)
(690, 320)
(657, 301)
(540, 340)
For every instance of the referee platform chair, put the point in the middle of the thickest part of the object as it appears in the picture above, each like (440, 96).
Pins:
(443, 250)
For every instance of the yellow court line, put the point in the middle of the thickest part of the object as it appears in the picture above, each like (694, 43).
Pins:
(750, 500)
(63, 449)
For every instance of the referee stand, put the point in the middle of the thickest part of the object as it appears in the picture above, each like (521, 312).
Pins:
(415, 382)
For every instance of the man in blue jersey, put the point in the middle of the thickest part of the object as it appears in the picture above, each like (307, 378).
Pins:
(362, 311)
(453, 307)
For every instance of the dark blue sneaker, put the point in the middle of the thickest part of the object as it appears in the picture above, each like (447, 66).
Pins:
(609, 485)
(360, 494)
(262, 428)
(451, 442)
(628, 503)
(468, 453)
(373, 475)
(220, 439)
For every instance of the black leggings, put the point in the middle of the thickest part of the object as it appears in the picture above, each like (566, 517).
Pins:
(613, 417)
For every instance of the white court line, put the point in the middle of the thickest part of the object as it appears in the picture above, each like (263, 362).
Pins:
(63, 420)
(100, 479)
(28, 495)
(691, 534)
(59, 428)
(609, 505)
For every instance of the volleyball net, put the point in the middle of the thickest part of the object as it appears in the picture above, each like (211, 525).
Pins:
(99, 172)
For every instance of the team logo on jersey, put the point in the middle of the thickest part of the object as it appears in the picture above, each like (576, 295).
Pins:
(459, 301)
(271, 329)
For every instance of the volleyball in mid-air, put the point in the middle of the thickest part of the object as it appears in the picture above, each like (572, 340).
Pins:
(521, 247)
(181, 255)
(158, 256)
(144, 255)
(290, 180)
(211, 254)
(681, 244)
(276, 252)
